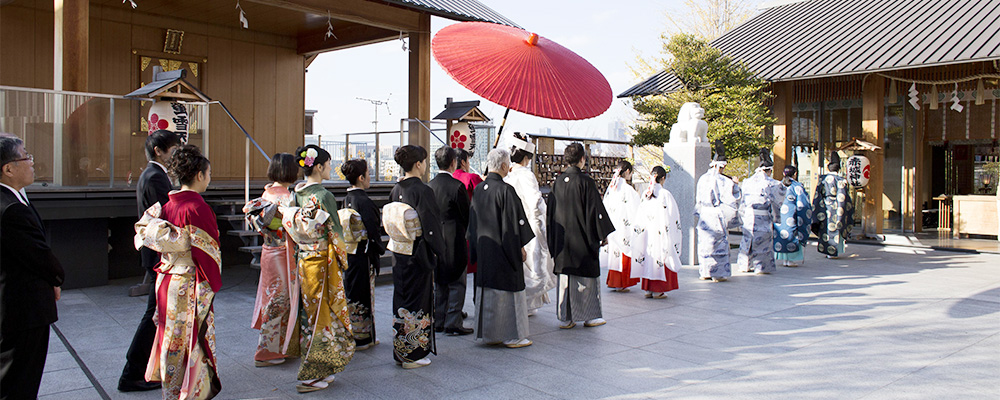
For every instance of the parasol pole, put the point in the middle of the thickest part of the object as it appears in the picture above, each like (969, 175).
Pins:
(500, 131)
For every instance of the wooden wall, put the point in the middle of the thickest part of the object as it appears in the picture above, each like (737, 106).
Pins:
(258, 75)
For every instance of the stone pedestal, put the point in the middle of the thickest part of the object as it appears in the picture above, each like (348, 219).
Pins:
(688, 162)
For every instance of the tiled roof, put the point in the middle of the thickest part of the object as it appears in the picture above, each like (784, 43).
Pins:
(821, 38)
(460, 10)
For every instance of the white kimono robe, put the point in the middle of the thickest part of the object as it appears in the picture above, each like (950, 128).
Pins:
(538, 276)
(717, 200)
(762, 196)
(622, 201)
(657, 243)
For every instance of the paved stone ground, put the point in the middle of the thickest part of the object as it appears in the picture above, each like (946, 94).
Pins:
(890, 322)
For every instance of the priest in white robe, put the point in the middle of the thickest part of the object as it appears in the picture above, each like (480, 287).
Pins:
(622, 201)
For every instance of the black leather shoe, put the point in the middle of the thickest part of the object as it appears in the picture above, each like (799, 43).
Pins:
(458, 331)
(125, 385)
(438, 329)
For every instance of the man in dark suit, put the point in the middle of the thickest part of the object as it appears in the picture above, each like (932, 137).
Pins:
(30, 277)
(153, 187)
(450, 275)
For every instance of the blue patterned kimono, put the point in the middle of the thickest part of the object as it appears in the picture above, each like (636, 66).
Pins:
(717, 200)
(758, 211)
(792, 225)
(833, 214)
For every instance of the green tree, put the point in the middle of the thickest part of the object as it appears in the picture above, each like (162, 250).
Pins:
(733, 98)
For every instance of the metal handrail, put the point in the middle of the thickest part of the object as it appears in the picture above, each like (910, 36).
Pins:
(87, 94)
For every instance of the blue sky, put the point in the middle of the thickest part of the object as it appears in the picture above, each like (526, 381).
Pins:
(607, 34)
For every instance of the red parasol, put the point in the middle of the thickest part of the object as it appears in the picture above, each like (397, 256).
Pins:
(521, 71)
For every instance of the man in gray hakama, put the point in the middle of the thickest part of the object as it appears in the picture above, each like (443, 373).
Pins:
(578, 226)
(498, 231)
(762, 196)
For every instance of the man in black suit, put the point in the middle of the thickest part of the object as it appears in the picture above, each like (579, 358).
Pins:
(450, 275)
(29, 279)
(153, 187)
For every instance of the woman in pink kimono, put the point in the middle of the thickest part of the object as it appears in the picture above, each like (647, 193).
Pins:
(276, 308)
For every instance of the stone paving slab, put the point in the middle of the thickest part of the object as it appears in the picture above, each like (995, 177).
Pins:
(886, 323)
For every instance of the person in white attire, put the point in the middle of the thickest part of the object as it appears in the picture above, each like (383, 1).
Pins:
(657, 243)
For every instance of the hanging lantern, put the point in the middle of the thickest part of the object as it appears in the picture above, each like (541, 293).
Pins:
(462, 136)
(171, 116)
(858, 171)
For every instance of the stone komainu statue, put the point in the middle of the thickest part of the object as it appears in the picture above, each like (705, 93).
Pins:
(690, 127)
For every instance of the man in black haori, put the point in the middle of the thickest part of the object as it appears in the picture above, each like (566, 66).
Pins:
(498, 232)
(578, 226)
(417, 245)
(450, 276)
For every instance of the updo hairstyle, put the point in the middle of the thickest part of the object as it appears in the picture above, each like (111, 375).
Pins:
(186, 163)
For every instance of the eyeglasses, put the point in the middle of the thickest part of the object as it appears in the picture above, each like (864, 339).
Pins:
(28, 157)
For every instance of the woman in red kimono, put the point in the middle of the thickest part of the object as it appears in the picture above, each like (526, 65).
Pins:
(186, 235)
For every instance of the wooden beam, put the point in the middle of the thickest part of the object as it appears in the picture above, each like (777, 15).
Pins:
(873, 127)
(784, 97)
(420, 83)
(353, 35)
(75, 45)
(357, 11)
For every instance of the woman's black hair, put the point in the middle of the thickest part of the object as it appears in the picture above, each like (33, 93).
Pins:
(658, 173)
(283, 168)
(789, 171)
(353, 169)
(408, 155)
(322, 156)
(186, 163)
(162, 139)
(573, 153)
(624, 166)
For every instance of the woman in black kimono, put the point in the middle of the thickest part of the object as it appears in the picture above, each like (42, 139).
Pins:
(413, 274)
(359, 280)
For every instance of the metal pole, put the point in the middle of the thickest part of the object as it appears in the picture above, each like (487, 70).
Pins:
(246, 170)
(111, 146)
(378, 150)
(347, 147)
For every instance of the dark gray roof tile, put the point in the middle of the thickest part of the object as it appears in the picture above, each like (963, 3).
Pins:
(817, 38)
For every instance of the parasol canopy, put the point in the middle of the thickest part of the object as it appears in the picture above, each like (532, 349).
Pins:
(521, 71)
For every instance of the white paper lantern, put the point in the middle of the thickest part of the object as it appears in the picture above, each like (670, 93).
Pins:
(171, 116)
(462, 136)
(858, 171)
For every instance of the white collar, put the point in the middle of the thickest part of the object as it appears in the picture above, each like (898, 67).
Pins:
(21, 196)
(354, 188)
(159, 165)
(446, 173)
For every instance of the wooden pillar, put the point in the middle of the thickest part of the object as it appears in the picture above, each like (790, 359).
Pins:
(784, 97)
(873, 126)
(920, 171)
(73, 31)
(420, 83)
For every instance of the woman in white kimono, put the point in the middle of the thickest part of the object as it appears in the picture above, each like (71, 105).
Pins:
(657, 243)
(716, 203)
(622, 202)
(538, 276)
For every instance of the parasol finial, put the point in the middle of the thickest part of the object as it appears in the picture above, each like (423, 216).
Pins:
(532, 39)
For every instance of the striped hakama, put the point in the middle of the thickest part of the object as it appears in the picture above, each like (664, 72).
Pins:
(578, 298)
(501, 315)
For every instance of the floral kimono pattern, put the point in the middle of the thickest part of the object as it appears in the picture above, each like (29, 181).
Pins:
(276, 307)
(412, 320)
(185, 234)
(833, 214)
(326, 340)
(761, 199)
